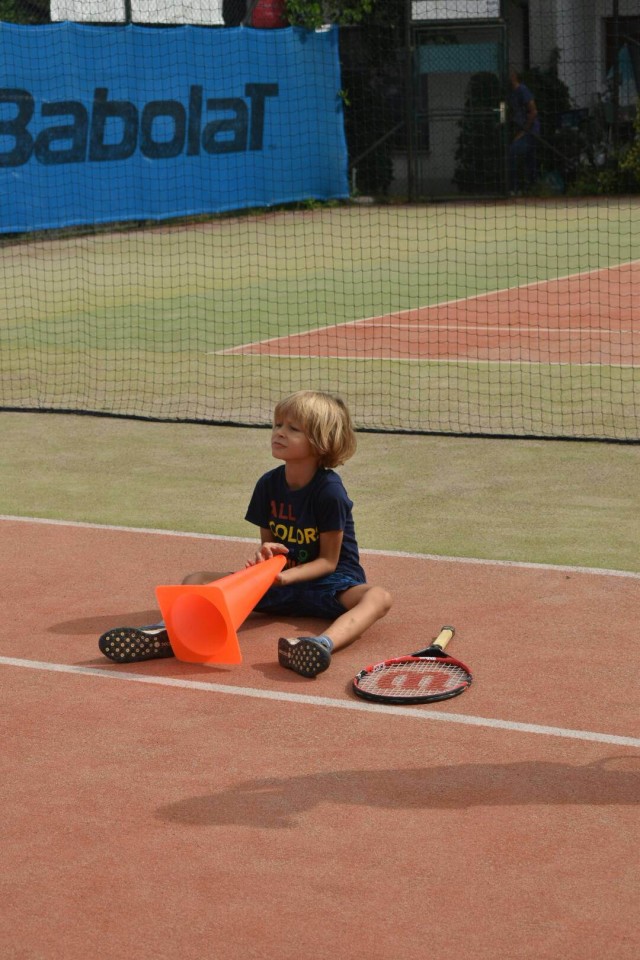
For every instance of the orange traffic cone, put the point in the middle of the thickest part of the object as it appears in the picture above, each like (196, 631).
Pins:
(202, 620)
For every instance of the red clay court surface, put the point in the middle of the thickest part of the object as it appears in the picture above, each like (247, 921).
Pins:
(587, 318)
(173, 810)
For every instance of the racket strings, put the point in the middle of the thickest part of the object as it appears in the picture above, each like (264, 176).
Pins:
(416, 678)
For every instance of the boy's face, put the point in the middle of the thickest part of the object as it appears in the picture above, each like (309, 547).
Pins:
(289, 442)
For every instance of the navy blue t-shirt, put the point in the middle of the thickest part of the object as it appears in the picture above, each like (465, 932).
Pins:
(296, 518)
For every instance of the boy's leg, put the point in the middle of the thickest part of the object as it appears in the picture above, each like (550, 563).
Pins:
(310, 656)
(202, 577)
(135, 644)
(365, 605)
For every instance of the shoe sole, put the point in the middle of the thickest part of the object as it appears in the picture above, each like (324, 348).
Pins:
(129, 645)
(304, 657)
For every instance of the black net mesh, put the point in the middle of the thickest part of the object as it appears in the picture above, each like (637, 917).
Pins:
(434, 213)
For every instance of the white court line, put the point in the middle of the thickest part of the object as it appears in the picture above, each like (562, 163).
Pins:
(563, 568)
(414, 712)
(470, 361)
(397, 314)
(300, 698)
(493, 328)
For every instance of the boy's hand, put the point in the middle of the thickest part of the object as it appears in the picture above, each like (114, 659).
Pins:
(266, 552)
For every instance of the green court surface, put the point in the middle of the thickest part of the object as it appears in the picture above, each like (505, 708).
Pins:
(558, 502)
(142, 321)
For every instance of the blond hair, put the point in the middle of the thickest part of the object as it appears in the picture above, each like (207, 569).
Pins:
(326, 423)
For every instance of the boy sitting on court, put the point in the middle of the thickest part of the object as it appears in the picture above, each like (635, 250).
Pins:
(303, 511)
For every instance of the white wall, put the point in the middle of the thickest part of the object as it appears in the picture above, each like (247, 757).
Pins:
(455, 9)
(571, 27)
(87, 11)
(201, 12)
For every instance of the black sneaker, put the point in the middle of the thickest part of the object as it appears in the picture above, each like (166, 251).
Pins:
(133, 644)
(305, 655)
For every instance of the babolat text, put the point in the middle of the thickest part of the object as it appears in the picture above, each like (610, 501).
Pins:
(115, 129)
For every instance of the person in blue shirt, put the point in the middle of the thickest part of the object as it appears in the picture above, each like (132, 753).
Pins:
(303, 512)
(526, 125)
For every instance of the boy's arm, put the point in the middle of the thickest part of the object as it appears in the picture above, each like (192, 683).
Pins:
(325, 563)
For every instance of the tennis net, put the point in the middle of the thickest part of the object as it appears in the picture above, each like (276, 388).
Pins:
(197, 220)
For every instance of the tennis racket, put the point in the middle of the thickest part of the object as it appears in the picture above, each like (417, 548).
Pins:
(422, 677)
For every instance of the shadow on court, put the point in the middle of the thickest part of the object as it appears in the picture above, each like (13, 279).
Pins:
(277, 803)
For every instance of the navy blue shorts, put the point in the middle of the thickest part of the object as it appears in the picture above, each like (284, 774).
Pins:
(315, 598)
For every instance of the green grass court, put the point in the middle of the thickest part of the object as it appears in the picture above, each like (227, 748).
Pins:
(522, 500)
(136, 321)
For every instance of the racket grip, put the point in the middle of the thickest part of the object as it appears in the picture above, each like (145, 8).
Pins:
(446, 634)
(437, 645)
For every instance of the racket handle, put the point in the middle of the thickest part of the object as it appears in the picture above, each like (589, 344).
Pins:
(443, 638)
(437, 646)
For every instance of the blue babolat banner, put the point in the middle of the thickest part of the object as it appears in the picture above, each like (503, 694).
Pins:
(99, 124)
